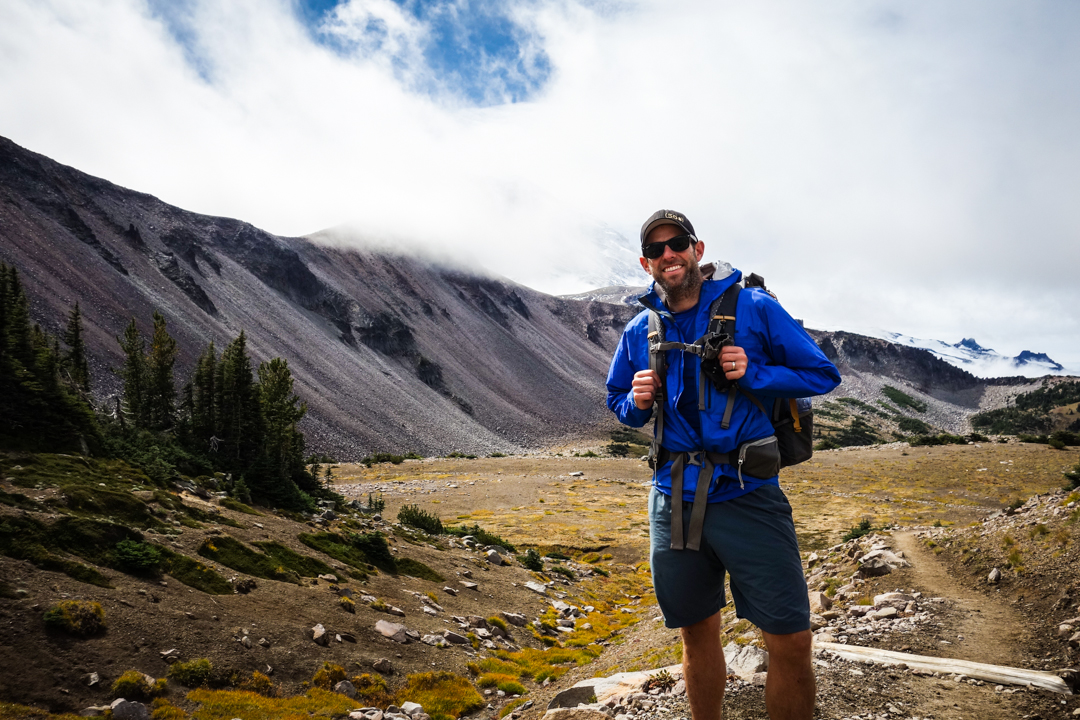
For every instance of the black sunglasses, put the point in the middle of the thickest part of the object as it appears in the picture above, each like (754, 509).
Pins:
(677, 244)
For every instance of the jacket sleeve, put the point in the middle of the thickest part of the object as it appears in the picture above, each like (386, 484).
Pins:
(619, 385)
(784, 360)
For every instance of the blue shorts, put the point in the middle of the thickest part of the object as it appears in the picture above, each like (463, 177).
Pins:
(752, 538)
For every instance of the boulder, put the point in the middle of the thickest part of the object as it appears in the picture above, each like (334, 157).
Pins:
(435, 641)
(476, 621)
(896, 600)
(816, 621)
(127, 710)
(886, 613)
(875, 567)
(494, 558)
(346, 688)
(819, 602)
(994, 576)
(394, 631)
(411, 708)
(384, 666)
(536, 587)
(396, 611)
(319, 635)
(468, 585)
(746, 660)
(455, 638)
(450, 591)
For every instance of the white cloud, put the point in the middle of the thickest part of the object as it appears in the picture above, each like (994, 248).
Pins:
(907, 165)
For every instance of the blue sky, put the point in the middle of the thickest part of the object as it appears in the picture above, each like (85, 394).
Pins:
(911, 165)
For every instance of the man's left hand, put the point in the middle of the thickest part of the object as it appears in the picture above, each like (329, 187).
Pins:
(733, 361)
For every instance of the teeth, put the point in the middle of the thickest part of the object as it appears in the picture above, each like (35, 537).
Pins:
(672, 268)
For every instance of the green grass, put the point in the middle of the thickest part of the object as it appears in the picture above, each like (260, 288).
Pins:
(483, 537)
(444, 695)
(417, 569)
(238, 506)
(278, 563)
(19, 500)
(902, 399)
(341, 550)
(194, 574)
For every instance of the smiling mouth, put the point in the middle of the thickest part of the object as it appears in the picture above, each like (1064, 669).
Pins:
(672, 268)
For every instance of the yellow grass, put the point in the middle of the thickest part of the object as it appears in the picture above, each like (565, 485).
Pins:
(228, 704)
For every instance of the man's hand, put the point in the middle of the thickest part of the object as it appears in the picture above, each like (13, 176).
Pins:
(644, 387)
(733, 361)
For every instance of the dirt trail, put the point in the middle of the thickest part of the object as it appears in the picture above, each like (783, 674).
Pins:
(991, 631)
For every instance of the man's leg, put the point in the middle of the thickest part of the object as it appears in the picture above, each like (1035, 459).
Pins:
(704, 669)
(790, 689)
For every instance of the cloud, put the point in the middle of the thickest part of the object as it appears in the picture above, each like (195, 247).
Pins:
(903, 165)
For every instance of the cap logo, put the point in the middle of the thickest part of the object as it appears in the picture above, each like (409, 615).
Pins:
(673, 216)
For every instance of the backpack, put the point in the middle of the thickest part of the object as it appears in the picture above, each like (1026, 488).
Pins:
(792, 418)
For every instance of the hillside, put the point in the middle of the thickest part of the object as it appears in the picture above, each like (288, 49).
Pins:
(391, 352)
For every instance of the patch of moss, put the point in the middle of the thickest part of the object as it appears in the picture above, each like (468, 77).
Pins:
(238, 506)
(277, 562)
(119, 505)
(316, 703)
(417, 569)
(18, 500)
(76, 617)
(194, 574)
(14, 711)
(340, 549)
(134, 685)
(193, 673)
(302, 565)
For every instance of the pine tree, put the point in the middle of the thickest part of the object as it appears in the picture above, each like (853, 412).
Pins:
(75, 359)
(134, 374)
(281, 411)
(204, 400)
(237, 404)
(160, 398)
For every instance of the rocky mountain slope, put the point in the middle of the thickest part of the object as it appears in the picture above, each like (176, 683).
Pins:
(390, 352)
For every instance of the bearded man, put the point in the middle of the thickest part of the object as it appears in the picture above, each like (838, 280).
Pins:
(739, 523)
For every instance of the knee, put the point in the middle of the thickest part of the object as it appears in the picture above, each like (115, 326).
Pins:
(789, 649)
(704, 633)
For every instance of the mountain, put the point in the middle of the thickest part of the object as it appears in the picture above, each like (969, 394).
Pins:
(390, 351)
(978, 360)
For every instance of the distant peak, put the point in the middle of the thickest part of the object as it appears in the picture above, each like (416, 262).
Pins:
(1026, 356)
(970, 344)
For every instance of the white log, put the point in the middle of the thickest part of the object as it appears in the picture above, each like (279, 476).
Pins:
(980, 671)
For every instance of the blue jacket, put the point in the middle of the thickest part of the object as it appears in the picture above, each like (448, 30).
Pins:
(783, 362)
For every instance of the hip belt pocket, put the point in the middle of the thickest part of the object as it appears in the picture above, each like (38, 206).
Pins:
(759, 458)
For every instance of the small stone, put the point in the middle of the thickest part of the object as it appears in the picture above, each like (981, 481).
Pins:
(994, 576)
(345, 688)
(394, 631)
(384, 666)
(468, 585)
(320, 636)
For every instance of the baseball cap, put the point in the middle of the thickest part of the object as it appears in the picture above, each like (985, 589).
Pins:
(666, 217)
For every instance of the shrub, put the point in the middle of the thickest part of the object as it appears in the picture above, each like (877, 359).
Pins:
(902, 399)
(413, 516)
(261, 684)
(863, 528)
(1015, 560)
(375, 504)
(372, 690)
(662, 680)
(76, 617)
(328, 676)
(461, 455)
(977, 437)
(444, 695)
(564, 571)
(134, 685)
(531, 560)
(138, 558)
(193, 673)
(499, 623)
(383, 457)
(587, 453)
(417, 569)
(825, 444)
(618, 449)
(913, 425)
(162, 709)
(1056, 444)
(496, 455)
(1038, 531)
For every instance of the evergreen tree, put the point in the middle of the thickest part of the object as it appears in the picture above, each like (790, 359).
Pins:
(238, 418)
(75, 360)
(281, 411)
(204, 400)
(159, 401)
(134, 374)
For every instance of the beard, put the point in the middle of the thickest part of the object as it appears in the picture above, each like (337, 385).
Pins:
(688, 287)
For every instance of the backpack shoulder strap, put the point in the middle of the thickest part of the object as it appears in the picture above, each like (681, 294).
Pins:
(657, 362)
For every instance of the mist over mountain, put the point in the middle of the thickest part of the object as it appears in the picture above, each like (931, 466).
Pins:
(390, 351)
(969, 355)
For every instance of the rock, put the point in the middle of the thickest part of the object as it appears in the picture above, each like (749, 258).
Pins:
(875, 567)
(824, 637)
(430, 610)
(577, 474)
(166, 653)
(347, 637)
(455, 638)
(887, 556)
(494, 558)
(896, 600)
(514, 618)
(885, 613)
(816, 621)
(245, 586)
(468, 585)
(1064, 630)
(346, 688)
(1074, 641)
(411, 708)
(384, 666)
(319, 635)
(746, 660)
(93, 711)
(476, 621)
(994, 576)
(450, 591)
(536, 587)
(92, 679)
(126, 710)
(819, 602)
(435, 641)
(328, 578)
(812, 560)
(246, 641)
(583, 712)
(395, 611)
(394, 631)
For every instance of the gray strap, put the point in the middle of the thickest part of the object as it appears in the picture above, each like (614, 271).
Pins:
(677, 466)
(726, 422)
(701, 502)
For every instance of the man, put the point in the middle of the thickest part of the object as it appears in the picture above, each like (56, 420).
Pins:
(745, 526)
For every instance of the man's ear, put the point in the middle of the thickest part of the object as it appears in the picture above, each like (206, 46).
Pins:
(645, 265)
(699, 250)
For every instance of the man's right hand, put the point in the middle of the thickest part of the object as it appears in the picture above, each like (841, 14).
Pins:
(645, 385)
